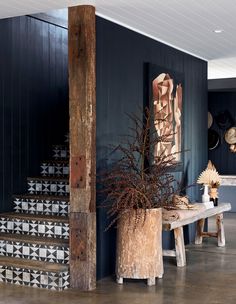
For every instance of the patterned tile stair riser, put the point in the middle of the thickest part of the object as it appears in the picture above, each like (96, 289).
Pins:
(48, 186)
(34, 251)
(34, 278)
(61, 152)
(30, 205)
(55, 168)
(34, 245)
(32, 226)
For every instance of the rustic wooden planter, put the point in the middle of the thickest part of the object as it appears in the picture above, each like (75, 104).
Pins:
(139, 251)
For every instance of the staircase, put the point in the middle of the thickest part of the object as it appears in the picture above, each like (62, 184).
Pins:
(34, 239)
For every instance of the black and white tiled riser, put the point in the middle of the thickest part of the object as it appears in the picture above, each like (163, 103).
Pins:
(55, 168)
(42, 206)
(48, 186)
(61, 152)
(34, 227)
(37, 252)
(34, 278)
(34, 246)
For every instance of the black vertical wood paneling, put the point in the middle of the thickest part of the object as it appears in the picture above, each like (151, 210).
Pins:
(34, 95)
(33, 99)
(121, 55)
(224, 160)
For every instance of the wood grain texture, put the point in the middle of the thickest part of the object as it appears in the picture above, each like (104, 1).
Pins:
(199, 231)
(139, 251)
(82, 250)
(220, 230)
(209, 234)
(180, 247)
(82, 94)
(223, 207)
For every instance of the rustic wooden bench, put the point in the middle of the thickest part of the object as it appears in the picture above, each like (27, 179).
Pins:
(198, 217)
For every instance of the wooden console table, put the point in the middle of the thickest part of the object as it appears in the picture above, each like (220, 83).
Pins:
(200, 217)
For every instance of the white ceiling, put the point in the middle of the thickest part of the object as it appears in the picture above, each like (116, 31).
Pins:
(185, 24)
(12, 8)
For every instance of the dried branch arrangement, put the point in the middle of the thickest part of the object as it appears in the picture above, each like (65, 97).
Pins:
(138, 181)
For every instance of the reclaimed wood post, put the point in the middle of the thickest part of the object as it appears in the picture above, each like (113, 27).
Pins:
(82, 95)
(199, 231)
(220, 230)
(180, 247)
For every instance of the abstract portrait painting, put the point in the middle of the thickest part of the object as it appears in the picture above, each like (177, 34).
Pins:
(166, 102)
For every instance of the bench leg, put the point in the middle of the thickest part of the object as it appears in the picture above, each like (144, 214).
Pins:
(199, 231)
(179, 247)
(220, 230)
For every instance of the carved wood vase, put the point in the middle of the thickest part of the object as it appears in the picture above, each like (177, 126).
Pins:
(139, 247)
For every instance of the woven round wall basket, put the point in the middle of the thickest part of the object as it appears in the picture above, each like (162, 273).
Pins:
(230, 136)
(210, 120)
(213, 139)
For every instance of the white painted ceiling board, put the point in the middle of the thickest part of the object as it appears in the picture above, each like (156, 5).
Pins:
(12, 8)
(187, 25)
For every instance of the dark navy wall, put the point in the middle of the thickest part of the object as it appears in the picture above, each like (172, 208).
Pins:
(33, 99)
(34, 102)
(121, 54)
(224, 160)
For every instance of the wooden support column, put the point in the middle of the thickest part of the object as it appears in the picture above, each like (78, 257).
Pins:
(82, 94)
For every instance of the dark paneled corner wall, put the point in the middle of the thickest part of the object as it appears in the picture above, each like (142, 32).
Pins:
(224, 160)
(121, 55)
(33, 99)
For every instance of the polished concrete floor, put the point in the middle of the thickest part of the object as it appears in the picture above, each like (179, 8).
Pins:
(209, 278)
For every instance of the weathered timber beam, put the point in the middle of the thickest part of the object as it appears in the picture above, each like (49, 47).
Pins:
(82, 100)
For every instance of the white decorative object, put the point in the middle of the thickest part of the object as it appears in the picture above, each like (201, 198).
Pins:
(208, 205)
(205, 196)
(209, 177)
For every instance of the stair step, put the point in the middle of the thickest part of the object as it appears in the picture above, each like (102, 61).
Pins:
(43, 197)
(55, 168)
(40, 204)
(34, 248)
(33, 239)
(48, 185)
(34, 273)
(61, 152)
(32, 224)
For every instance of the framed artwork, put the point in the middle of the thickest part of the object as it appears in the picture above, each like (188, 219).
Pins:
(165, 97)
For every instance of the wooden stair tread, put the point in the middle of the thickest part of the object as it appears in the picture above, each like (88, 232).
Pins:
(32, 239)
(43, 197)
(36, 217)
(48, 178)
(32, 264)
